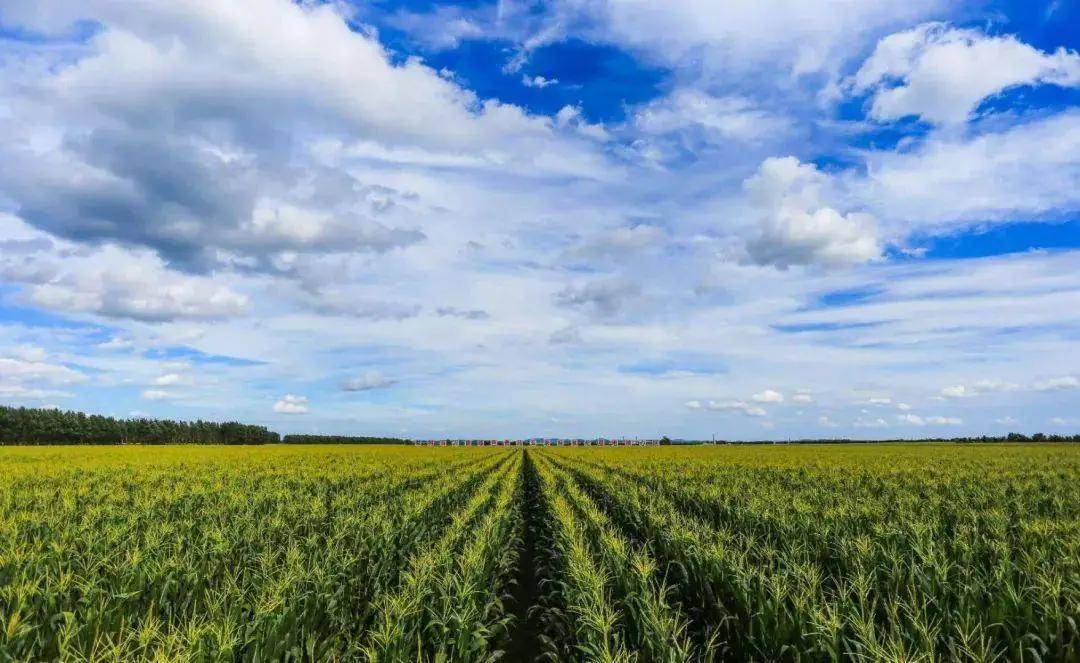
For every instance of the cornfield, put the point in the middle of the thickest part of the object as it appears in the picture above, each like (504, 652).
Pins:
(380, 553)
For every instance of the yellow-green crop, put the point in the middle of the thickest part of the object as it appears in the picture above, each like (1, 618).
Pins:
(663, 554)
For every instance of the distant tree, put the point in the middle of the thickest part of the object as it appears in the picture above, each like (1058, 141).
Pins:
(665, 440)
(42, 426)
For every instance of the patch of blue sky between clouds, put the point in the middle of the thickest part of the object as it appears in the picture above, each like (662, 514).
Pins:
(185, 353)
(1001, 239)
(33, 317)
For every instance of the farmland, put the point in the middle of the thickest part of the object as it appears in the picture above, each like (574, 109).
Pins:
(332, 552)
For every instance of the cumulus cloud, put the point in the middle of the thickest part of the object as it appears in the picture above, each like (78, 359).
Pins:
(117, 343)
(116, 283)
(368, 381)
(768, 396)
(956, 391)
(803, 396)
(243, 161)
(871, 423)
(33, 378)
(941, 74)
(538, 81)
(798, 227)
(944, 421)
(913, 419)
(291, 404)
(138, 293)
(748, 409)
(916, 420)
(171, 379)
(984, 386)
(1058, 383)
(156, 394)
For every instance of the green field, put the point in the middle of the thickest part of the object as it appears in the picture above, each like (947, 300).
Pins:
(797, 553)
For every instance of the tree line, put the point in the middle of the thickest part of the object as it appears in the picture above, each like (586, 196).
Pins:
(48, 426)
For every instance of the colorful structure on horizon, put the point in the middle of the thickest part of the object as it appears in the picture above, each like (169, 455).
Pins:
(540, 442)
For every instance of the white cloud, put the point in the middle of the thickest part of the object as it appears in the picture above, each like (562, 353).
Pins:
(443, 28)
(538, 81)
(986, 386)
(21, 374)
(944, 421)
(944, 73)
(115, 283)
(570, 118)
(243, 163)
(993, 384)
(879, 400)
(367, 381)
(916, 420)
(768, 396)
(1007, 421)
(116, 343)
(1054, 384)
(156, 394)
(134, 293)
(291, 404)
(798, 227)
(1028, 170)
(903, 407)
(618, 243)
(736, 37)
(715, 119)
(171, 379)
(728, 406)
(871, 423)
(956, 391)
(803, 396)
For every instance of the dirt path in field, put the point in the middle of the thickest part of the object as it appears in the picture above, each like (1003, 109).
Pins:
(524, 642)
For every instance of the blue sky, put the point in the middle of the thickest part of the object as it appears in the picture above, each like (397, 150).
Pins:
(749, 219)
